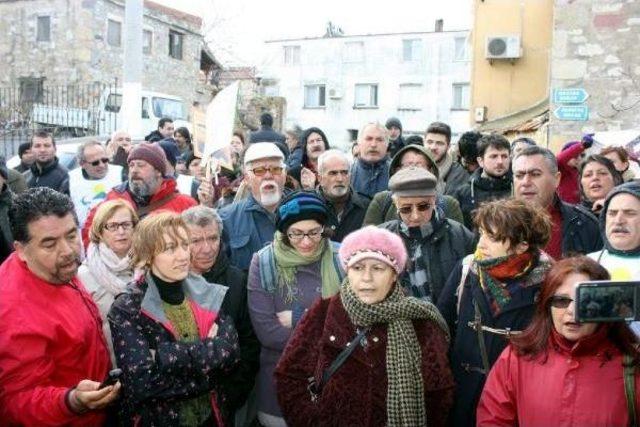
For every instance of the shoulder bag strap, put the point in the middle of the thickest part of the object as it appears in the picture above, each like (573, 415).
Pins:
(315, 388)
(480, 332)
(144, 210)
(630, 389)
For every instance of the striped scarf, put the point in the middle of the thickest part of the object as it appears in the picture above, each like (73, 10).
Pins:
(405, 393)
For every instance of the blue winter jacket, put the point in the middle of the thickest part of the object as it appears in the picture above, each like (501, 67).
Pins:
(370, 178)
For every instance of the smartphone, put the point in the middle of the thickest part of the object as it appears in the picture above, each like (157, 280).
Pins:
(112, 377)
(607, 301)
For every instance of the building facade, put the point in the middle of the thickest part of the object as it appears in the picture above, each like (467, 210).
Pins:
(339, 83)
(511, 44)
(596, 46)
(67, 42)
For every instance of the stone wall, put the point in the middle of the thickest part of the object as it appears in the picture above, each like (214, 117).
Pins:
(79, 53)
(596, 46)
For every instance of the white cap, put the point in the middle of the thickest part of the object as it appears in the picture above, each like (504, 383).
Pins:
(262, 150)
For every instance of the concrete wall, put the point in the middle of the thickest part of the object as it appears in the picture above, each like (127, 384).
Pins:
(79, 53)
(322, 61)
(597, 47)
(504, 86)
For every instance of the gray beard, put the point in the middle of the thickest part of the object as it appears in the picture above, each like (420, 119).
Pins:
(143, 189)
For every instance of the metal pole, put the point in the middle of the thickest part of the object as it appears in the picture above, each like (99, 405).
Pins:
(132, 70)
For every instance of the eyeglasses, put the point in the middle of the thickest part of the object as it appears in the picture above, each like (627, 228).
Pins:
(104, 160)
(315, 235)
(262, 170)
(421, 207)
(125, 225)
(559, 301)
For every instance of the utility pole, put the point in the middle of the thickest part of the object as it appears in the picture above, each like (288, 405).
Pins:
(132, 69)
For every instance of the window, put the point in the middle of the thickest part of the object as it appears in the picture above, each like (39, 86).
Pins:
(366, 95)
(114, 33)
(113, 104)
(172, 108)
(411, 50)
(175, 44)
(43, 29)
(31, 89)
(291, 55)
(354, 52)
(314, 96)
(410, 97)
(461, 49)
(460, 96)
(147, 41)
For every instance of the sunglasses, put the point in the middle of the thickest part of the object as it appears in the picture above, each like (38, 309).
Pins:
(262, 170)
(559, 301)
(104, 160)
(421, 207)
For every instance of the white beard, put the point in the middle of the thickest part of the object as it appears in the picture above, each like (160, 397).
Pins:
(270, 198)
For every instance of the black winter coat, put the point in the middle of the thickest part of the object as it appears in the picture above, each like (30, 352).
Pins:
(267, 134)
(580, 230)
(448, 244)
(352, 215)
(52, 175)
(238, 383)
(466, 361)
(158, 370)
(6, 239)
(479, 190)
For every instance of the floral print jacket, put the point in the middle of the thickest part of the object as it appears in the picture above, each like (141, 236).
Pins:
(159, 371)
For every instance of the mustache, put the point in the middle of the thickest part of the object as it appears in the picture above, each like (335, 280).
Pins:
(620, 229)
(267, 183)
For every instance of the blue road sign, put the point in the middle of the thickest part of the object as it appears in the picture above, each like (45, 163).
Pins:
(576, 113)
(570, 96)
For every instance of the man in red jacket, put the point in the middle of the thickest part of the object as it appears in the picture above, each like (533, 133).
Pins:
(53, 354)
(147, 189)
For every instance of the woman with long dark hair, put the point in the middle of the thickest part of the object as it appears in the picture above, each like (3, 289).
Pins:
(559, 371)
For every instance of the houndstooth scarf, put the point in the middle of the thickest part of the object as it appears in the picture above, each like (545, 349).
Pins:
(405, 394)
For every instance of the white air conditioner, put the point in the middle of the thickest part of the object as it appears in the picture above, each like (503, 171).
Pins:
(335, 93)
(503, 47)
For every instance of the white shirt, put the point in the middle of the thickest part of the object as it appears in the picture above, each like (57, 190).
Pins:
(87, 193)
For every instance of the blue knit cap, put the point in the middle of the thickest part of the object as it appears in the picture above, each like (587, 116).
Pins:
(299, 206)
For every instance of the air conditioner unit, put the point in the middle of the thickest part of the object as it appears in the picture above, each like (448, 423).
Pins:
(503, 47)
(335, 93)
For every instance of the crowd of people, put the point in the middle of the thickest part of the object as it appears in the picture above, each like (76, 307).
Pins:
(409, 282)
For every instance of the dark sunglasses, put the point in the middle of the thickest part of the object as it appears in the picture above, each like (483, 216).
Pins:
(104, 160)
(421, 207)
(559, 301)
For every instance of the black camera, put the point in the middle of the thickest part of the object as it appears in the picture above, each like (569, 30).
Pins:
(607, 301)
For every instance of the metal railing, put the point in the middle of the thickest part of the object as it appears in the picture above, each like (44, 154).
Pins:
(67, 111)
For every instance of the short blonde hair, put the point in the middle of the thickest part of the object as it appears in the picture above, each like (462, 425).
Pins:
(148, 239)
(104, 213)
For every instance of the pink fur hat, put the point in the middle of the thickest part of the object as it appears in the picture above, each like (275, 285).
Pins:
(376, 243)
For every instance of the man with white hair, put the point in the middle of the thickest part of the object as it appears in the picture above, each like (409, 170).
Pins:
(249, 224)
(347, 208)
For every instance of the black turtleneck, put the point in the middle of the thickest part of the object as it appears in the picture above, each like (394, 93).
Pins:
(170, 292)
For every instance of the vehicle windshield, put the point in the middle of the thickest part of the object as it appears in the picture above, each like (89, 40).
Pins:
(171, 108)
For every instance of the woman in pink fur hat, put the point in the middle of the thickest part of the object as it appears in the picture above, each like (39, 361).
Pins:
(368, 356)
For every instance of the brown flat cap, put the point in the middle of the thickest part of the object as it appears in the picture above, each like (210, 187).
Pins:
(413, 182)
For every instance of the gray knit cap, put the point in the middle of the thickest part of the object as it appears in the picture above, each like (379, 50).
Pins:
(413, 182)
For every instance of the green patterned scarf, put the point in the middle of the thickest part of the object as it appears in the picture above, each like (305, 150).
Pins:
(405, 393)
(287, 261)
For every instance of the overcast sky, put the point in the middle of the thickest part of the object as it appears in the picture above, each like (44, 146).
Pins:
(239, 27)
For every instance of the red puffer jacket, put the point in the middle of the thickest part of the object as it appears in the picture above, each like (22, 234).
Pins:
(50, 339)
(578, 385)
(166, 198)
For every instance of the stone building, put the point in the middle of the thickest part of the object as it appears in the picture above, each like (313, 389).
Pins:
(63, 42)
(596, 48)
(340, 82)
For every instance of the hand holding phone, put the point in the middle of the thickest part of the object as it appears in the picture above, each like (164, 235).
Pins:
(112, 378)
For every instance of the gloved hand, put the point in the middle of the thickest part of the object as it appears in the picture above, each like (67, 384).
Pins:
(587, 140)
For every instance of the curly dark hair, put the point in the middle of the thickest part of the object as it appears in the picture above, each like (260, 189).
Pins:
(34, 204)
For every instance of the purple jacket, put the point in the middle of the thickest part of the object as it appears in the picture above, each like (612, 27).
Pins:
(273, 337)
